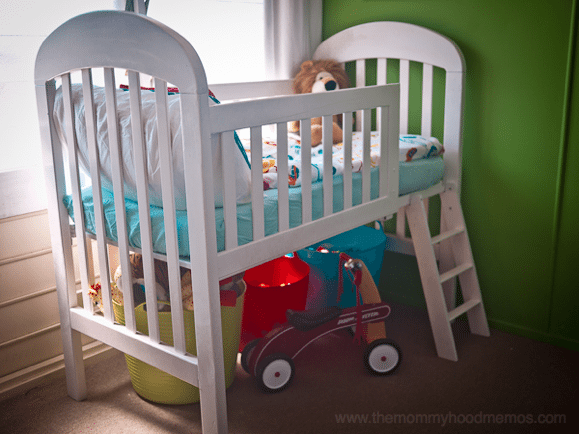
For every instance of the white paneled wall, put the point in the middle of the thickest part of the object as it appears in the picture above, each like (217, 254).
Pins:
(30, 342)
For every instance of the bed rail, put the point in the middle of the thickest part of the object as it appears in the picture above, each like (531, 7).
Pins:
(254, 114)
(251, 90)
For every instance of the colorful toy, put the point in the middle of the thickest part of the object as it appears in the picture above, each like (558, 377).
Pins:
(270, 359)
(320, 76)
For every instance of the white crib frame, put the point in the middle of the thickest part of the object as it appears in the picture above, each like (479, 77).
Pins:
(144, 45)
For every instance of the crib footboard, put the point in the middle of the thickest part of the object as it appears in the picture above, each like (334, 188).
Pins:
(376, 201)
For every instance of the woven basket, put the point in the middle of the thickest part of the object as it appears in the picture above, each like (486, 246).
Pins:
(156, 385)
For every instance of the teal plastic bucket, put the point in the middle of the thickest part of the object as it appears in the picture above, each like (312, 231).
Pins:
(364, 242)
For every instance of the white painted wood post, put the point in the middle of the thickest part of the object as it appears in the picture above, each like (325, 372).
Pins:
(61, 243)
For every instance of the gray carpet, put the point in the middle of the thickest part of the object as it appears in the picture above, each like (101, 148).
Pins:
(504, 383)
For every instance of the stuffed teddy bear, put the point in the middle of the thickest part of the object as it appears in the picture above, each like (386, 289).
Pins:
(161, 279)
(162, 282)
(320, 76)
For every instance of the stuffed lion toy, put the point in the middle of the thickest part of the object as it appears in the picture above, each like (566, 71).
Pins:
(320, 76)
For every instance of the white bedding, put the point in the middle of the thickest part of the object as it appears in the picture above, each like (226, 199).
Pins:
(242, 171)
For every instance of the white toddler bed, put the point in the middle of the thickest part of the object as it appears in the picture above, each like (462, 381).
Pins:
(216, 218)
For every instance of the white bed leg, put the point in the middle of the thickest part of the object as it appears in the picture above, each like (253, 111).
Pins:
(401, 223)
(74, 365)
(211, 371)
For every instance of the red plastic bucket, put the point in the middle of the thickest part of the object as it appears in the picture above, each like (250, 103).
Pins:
(272, 288)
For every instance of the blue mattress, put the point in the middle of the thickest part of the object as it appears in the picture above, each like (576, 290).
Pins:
(414, 176)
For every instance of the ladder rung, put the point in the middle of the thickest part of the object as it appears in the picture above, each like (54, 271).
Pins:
(455, 272)
(445, 235)
(456, 312)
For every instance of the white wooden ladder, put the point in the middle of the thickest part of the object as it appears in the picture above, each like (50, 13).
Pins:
(439, 285)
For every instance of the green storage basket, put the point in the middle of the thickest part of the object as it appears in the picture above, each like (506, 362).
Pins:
(156, 385)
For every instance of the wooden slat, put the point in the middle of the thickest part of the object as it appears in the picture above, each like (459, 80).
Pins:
(366, 159)
(143, 200)
(328, 180)
(426, 128)
(447, 234)
(282, 177)
(360, 82)
(75, 185)
(381, 71)
(306, 172)
(347, 136)
(385, 162)
(257, 184)
(118, 189)
(226, 141)
(404, 88)
(463, 308)
(91, 132)
(455, 271)
(171, 239)
(393, 148)
(381, 79)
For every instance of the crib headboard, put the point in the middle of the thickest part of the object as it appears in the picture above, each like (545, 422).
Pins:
(99, 41)
(386, 40)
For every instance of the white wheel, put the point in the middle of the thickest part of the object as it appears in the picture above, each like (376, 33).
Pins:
(275, 372)
(382, 357)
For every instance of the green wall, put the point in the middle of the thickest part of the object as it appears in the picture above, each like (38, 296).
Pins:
(521, 154)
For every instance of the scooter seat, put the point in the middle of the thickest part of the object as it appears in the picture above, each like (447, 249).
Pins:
(305, 320)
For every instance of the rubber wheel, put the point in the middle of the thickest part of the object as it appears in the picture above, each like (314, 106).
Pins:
(246, 353)
(275, 372)
(382, 357)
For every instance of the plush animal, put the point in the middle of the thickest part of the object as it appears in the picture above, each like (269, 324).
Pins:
(161, 278)
(320, 76)
(162, 282)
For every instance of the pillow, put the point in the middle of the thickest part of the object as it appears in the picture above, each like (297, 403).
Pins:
(242, 168)
(418, 147)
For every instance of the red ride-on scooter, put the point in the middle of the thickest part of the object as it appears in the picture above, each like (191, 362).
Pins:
(270, 359)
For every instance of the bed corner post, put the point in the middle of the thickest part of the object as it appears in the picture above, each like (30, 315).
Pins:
(204, 265)
(454, 95)
(61, 242)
